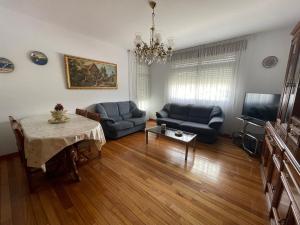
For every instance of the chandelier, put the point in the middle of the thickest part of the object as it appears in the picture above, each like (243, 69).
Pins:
(155, 51)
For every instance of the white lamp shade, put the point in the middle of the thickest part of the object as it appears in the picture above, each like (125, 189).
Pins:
(157, 38)
(138, 39)
(171, 43)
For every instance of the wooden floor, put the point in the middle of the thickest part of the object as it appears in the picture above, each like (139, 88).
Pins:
(138, 184)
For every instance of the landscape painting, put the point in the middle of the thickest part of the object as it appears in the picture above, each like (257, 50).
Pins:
(90, 74)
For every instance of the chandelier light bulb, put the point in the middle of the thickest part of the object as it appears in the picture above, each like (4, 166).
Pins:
(171, 43)
(157, 38)
(138, 40)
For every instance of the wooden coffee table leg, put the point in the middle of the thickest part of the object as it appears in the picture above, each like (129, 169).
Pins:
(186, 151)
(146, 134)
(195, 144)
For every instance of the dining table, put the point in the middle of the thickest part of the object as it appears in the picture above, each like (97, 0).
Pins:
(43, 140)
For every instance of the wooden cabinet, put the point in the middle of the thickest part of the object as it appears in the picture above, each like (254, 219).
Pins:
(281, 179)
(288, 119)
(281, 150)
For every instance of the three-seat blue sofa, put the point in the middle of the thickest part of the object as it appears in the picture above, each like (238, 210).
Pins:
(205, 121)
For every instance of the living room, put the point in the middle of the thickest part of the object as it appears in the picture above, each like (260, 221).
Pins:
(111, 127)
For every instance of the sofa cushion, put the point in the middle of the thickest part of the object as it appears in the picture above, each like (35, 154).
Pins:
(137, 121)
(112, 110)
(121, 125)
(124, 107)
(179, 112)
(197, 128)
(169, 122)
(200, 114)
(101, 110)
(126, 116)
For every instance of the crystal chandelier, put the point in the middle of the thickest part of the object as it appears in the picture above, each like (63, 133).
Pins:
(155, 51)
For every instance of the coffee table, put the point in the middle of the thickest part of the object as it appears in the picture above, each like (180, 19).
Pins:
(186, 138)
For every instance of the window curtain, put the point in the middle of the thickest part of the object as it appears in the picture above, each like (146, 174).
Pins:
(139, 82)
(206, 75)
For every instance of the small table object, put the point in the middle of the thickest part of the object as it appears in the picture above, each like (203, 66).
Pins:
(186, 138)
(244, 133)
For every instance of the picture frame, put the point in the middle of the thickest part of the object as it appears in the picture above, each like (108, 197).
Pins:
(83, 73)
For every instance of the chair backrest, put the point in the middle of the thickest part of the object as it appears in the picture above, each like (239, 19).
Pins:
(81, 112)
(17, 129)
(93, 116)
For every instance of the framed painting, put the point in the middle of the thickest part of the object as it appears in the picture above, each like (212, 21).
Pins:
(90, 74)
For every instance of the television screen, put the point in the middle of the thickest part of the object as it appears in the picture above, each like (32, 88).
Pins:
(261, 106)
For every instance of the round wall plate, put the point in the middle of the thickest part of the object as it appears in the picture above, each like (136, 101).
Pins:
(6, 66)
(270, 61)
(38, 58)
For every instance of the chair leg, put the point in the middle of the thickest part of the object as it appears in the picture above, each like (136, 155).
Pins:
(31, 189)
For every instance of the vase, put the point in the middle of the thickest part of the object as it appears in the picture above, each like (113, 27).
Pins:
(58, 115)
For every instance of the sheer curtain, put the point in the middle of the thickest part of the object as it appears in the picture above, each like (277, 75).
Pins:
(206, 74)
(139, 84)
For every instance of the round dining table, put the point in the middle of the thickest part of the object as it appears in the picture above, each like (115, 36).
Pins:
(43, 140)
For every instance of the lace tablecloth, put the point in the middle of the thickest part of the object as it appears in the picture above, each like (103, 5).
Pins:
(44, 140)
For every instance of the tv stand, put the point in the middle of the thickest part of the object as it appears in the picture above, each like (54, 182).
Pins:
(244, 133)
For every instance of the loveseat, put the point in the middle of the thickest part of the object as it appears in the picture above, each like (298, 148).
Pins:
(205, 121)
(120, 118)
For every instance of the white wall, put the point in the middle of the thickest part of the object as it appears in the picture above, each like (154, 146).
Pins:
(252, 76)
(33, 89)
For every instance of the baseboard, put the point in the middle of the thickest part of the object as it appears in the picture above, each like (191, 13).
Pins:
(9, 156)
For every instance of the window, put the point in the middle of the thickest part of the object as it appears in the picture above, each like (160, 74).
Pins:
(209, 80)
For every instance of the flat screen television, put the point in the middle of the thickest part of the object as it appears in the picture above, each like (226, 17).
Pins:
(261, 106)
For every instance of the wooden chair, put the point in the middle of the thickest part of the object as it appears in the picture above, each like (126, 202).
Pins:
(81, 112)
(17, 129)
(93, 116)
(84, 148)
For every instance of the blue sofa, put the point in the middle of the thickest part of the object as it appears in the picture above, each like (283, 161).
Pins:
(120, 118)
(205, 121)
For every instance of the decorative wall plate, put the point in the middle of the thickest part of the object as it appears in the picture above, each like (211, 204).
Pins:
(270, 61)
(38, 58)
(6, 66)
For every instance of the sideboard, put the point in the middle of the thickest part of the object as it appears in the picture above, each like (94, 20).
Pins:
(280, 158)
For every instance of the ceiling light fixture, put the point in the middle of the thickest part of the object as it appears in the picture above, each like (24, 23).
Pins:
(155, 51)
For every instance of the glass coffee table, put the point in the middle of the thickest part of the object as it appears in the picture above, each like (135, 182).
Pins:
(186, 138)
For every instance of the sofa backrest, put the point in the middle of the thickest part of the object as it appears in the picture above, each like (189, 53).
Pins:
(200, 114)
(193, 113)
(112, 110)
(116, 110)
(179, 112)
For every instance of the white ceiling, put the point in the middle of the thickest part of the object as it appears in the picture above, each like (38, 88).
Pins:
(189, 22)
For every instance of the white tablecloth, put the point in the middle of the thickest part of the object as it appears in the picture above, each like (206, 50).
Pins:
(44, 140)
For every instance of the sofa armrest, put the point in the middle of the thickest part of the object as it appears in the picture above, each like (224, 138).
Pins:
(216, 122)
(137, 113)
(107, 119)
(161, 114)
